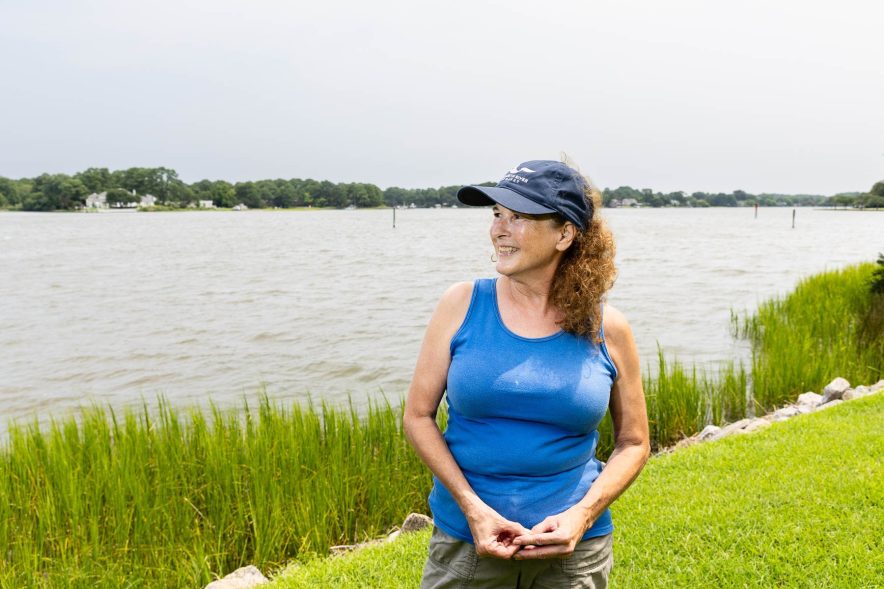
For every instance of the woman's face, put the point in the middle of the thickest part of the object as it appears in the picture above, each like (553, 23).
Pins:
(525, 244)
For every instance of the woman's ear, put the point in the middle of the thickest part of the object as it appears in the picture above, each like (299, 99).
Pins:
(567, 233)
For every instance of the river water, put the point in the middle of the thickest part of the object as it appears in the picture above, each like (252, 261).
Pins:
(118, 307)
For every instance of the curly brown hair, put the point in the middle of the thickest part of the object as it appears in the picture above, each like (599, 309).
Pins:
(586, 273)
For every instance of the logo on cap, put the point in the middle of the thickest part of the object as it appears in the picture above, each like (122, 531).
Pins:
(514, 177)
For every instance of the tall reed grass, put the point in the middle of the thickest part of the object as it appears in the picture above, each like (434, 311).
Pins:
(682, 400)
(830, 324)
(158, 497)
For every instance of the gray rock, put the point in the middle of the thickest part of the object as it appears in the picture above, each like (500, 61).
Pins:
(708, 432)
(877, 386)
(393, 535)
(835, 389)
(829, 404)
(850, 394)
(244, 578)
(682, 443)
(809, 399)
(415, 522)
(729, 429)
(785, 413)
(732, 427)
(755, 425)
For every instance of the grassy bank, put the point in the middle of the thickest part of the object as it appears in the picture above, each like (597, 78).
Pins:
(800, 504)
(157, 497)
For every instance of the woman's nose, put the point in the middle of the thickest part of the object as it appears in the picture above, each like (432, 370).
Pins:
(500, 226)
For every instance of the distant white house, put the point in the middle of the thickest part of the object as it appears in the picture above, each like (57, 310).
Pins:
(148, 200)
(626, 202)
(206, 204)
(97, 200)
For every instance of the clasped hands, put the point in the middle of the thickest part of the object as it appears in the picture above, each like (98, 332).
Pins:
(554, 537)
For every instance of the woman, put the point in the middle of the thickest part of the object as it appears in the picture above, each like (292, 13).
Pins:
(530, 362)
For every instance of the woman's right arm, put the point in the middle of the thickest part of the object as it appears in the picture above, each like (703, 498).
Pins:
(492, 533)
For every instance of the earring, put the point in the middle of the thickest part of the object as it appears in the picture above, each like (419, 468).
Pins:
(494, 257)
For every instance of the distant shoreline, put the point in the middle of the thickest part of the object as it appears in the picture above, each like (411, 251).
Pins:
(849, 210)
(386, 208)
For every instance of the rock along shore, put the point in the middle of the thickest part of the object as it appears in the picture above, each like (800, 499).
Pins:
(835, 393)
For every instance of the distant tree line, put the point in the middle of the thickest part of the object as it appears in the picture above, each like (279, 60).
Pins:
(738, 198)
(50, 192)
(873, 199)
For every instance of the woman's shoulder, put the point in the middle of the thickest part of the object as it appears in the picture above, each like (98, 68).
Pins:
(457, 297)
(452, 309)
(621, 346)
(615, 324)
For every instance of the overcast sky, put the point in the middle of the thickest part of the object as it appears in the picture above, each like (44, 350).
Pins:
(764, 96)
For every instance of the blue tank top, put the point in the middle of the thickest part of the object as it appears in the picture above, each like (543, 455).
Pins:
(523, 417)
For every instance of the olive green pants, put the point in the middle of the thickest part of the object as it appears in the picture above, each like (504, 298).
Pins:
(454, 564)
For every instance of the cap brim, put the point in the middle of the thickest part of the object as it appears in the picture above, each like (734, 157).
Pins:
(483, 196)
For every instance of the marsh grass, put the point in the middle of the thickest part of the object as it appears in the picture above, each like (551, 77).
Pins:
(157, 497)
(682, 400)
(831, 324)
(168, 499)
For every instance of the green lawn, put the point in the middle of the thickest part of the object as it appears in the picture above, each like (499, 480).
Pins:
(800, 504)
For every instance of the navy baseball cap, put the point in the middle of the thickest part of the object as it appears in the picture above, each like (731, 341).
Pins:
(536, 187)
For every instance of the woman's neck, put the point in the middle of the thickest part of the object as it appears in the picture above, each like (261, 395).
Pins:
(529, 296)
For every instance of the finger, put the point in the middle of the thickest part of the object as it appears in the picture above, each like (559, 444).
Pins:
(491, 548)
(547, 525)
(504, 552)
(528, 540)
(541, 539)
(555, 551)
(515, 527)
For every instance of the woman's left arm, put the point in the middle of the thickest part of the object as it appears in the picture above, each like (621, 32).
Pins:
(558, 534)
